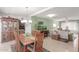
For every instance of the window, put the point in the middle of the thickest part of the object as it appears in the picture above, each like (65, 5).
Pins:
(71, 25)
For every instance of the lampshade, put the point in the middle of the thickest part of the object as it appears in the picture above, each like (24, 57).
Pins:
(23, 21)
(54, 25)
(30, 21)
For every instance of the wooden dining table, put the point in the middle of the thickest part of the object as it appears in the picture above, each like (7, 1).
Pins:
(26, 40)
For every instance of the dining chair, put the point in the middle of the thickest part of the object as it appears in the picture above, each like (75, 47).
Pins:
(34, 32)
(38, 44)
(31, 46)
(17, 41)
(22, 47)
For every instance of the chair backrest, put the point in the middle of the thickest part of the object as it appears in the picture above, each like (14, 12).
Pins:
(16, 35)
(39, 41)
(21, 36)
(34, 32)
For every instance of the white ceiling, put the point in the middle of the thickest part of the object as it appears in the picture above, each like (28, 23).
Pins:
(19, 11)
(62, 12)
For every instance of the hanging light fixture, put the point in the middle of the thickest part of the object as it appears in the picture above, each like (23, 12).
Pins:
(30, 21)
(27, 18)
(54, 25)
(24, 21)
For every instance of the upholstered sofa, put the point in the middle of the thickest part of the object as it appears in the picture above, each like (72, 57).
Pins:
(62, 34)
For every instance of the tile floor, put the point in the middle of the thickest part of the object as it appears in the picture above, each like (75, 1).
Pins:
(49, 44)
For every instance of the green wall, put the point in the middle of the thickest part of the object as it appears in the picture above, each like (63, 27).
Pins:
(47, 22)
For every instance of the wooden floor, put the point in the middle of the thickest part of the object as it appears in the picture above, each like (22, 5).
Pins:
(49, 44)
(58, 46)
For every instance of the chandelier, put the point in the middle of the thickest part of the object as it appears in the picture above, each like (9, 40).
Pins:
(28, 19)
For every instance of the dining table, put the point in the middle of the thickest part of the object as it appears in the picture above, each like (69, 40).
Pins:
(26, 40)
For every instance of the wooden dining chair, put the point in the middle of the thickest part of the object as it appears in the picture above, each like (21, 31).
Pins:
(34, 32)
(25, 44)
(38, 44)
(23, 48)
(17, 41)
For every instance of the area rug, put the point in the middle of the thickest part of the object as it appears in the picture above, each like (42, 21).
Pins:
(13, 49)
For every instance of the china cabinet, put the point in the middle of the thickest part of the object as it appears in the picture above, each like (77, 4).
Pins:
(9, 25)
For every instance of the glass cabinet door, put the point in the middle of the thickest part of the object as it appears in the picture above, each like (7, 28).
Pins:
(8, 27)
(4, 26)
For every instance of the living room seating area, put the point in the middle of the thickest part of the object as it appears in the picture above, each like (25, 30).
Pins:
(62, 35)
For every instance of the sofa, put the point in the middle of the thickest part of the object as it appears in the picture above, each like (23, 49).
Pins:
(62, 35)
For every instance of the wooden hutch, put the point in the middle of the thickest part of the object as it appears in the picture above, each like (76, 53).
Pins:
(8, 25)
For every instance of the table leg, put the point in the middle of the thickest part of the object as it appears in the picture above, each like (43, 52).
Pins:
(25, 48)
